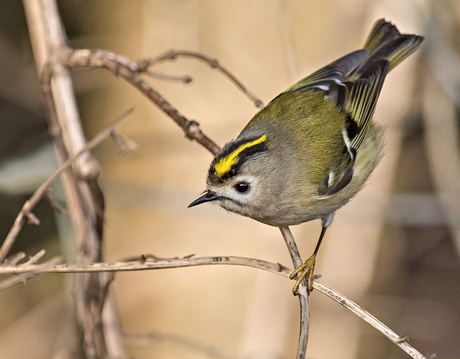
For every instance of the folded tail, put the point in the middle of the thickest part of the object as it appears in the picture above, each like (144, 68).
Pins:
(386, 42)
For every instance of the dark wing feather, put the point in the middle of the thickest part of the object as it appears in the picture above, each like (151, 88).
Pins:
(334, 73)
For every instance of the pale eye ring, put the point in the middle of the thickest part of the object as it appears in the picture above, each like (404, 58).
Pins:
(242, 187)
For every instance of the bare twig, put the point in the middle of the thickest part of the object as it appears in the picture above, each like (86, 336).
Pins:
(400, 341)
(84, 197)
(24, 277)
(185, 79)
(35, 258)
(130, 71)
(124, 145)
(32, 219)
(216, 260)
(148, 265)
(40, 192)
(213, 63)
(14, 259)
(302, 294)
(55, 205)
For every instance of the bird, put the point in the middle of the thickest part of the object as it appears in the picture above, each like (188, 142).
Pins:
(312, 148)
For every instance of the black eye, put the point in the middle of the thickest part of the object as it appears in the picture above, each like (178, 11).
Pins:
(242, 187)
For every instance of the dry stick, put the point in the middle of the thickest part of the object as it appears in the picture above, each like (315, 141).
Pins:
(174, 54)
(217, 260)
(302, 294)
(22, 278)
(35, 258)
(83, 195)
(400, 341)
(185, 79)
(14, 259)
(129, 71)
(55, 205)
(41, 191)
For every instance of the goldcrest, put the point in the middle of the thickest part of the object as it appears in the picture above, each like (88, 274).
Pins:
(312, 148)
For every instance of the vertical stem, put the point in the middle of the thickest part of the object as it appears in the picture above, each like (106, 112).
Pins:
(302, 294)
(83, 195)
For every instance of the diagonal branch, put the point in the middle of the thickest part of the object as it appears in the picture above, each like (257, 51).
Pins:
(130, 71)
(41, 191)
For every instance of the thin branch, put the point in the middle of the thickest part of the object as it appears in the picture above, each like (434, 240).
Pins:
(41, 191)
(172, 55)
(148, 265)
(14, 259)
(124, 145)
(35, 258)
(130, 71)
(302, 294)
(84, 197)
(55, 205)
(24, 277)
(185, 79)
(400, 341)
(217, 260)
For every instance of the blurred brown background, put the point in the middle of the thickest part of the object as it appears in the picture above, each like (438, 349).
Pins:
(394, 249)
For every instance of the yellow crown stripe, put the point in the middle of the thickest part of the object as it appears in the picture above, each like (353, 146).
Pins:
(226, 163)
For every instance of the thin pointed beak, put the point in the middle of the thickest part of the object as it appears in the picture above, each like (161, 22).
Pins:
(208, 196)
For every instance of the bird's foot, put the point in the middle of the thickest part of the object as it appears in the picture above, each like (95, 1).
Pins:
(306, 271)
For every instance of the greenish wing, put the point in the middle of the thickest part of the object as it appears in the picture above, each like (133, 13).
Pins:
(357, 97)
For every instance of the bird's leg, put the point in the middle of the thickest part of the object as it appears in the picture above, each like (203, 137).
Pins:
(306, 269)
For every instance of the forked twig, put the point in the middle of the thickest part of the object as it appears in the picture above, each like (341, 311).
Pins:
(24, 277)
(131, 72)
